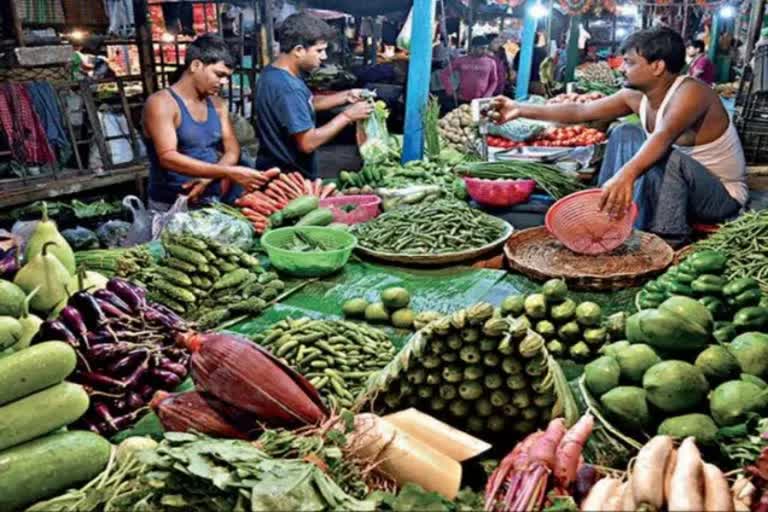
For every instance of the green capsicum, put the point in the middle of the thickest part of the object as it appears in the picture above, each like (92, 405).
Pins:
(687, 268)
(749, 297)
(684, 277)
(709, 284)
(715, 306)
(751, 318)
(709, 262)
(738, 286)
(653, 287)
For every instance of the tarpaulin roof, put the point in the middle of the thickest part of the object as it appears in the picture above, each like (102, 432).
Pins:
(370, 8)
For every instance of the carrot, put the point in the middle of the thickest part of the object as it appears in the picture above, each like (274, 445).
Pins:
(569, 450)
(307, 186)
(290, 184)
(600, 493)
(318, 187)
(628, 497)
(251, 213)
(272, 173)
(686, 484)
(275, 192)
(328, 190)
(544, 450)
(298, 179)
(668, 473)
(648, 473)
(717, 494)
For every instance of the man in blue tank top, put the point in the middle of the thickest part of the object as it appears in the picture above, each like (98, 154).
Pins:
(285, 107)
(190, 141)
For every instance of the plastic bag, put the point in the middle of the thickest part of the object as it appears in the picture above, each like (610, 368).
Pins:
(519, 130)
(212, 224)
(80, 238)
(373, 136)
(141, 229)
(162, 219)
(22, 230)
(111, 234)
(404, 37)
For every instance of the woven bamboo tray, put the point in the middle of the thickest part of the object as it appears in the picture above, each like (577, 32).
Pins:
(537, 254)
(439, 259)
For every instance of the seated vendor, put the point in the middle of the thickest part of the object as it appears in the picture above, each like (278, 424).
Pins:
(285, 107)
(683, 164)
(190, 142)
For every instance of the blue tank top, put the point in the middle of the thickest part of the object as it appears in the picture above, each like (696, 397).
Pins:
(199, 140)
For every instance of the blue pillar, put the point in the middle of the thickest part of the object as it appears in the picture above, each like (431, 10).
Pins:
(714, 36)
(526, 52)
(419, 68)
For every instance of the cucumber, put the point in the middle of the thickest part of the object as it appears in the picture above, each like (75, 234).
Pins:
(299, 207)
(35, 368)
(319, 217)
(44, 467)
(41, 413)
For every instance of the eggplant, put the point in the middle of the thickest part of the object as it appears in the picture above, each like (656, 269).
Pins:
(176, 321)
(128, 363)
(165, 378)
(111, 310)
(75, 323)
(146, 392)
(9, 262)
(107, 351)
(101, 337)
(126, 420)
(52, 330)
(133, 296)
(113, 299)
(135, 400)
(89, 308)
(178, 369)
(152, 314)
(100, 381)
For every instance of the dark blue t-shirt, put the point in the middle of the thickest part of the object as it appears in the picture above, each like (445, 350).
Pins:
(283, 109)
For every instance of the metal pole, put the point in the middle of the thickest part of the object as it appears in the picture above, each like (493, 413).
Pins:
(419, 68)
(714, 36)
(572, 54)
(755, 22)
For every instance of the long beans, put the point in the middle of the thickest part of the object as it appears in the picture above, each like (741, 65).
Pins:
(433, 228)
(553, 181)
(744, 241)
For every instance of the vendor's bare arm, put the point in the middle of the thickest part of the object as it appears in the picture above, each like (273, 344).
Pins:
(329, 101)
(689, 106)
(612, 107)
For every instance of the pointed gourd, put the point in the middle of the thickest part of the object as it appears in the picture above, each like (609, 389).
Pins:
(45, 232)
(48, 273)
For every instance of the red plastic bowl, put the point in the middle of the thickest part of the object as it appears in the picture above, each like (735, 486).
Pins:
(577, 222)
(499, 193)
(367, 208)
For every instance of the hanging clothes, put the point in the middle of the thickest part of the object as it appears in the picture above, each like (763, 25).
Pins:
(21, 126)
(43, 97)
(120, 13)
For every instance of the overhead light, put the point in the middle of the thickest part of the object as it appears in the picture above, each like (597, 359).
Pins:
(727, 11)
(166, 37)
(538, 11)
(77, 35)
(621, 32)
(628, 10)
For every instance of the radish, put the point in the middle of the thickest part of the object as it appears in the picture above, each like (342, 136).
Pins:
(687, 479)
(648, 476)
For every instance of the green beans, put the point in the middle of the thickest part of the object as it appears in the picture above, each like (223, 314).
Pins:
(337, 357)
(744, 242)
(435, 228)
(548, 178)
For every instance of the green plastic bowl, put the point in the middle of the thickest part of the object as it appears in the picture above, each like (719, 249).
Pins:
(308, 264)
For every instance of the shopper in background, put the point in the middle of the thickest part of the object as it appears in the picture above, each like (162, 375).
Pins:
(477, 73)
(285, 107)
(700, 66)
(499, 54)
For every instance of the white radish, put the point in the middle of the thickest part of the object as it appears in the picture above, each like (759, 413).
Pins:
(671, 461)
(686, 485)
(628, 497)
(648, 474)
(717, 494)
(613, 504)
(600, 493)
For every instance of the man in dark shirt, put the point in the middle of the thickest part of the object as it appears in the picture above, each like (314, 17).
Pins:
(285, 107)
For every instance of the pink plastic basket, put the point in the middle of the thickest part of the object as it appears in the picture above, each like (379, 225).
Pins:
(367, 208)
(577, 222)
(499, 193)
